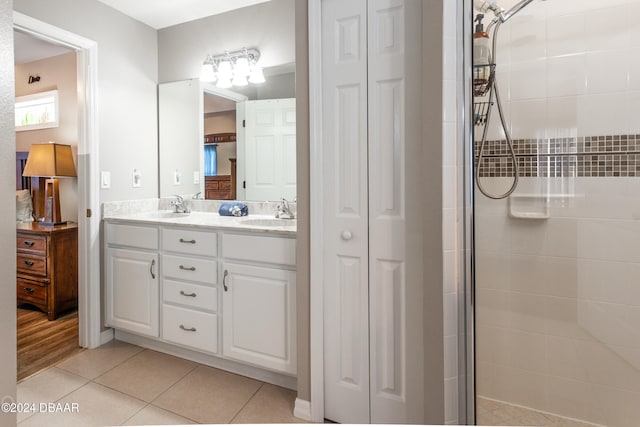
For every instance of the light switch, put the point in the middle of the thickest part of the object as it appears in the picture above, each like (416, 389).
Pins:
(177, 177)
(137, 178)
(196, 177)
(105, 179)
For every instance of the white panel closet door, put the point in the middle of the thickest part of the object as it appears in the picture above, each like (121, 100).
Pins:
(346, 262)
(395, 313)
(373, 354)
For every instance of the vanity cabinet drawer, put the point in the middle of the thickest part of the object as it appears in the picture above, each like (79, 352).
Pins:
(187, 268)
(31, 244)
(274, 250)
(132, 236)
(190, 242)
(196, 296)
(31, 265)
(191, 328)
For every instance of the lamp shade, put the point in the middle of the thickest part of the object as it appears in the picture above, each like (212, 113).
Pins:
(50, 160)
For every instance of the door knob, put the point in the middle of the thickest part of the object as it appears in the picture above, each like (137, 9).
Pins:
(346, 235)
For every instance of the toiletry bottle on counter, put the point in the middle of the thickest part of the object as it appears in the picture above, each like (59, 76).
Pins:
(481, 58)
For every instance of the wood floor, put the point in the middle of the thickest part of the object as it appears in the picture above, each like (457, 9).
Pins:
(41, 343)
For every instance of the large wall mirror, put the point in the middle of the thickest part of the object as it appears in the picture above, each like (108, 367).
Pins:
(228, 144)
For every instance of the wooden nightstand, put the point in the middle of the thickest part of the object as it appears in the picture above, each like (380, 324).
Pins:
(47, 266)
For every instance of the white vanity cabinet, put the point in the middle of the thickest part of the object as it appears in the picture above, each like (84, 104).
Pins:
(189, 292)
(215, 295)
(132, 279)
(258, 300)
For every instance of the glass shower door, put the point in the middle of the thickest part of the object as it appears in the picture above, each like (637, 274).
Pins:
(557, 263)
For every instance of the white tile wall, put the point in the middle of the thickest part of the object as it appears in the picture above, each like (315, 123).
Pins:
(573, 49)
(450, 145)
(558, 302)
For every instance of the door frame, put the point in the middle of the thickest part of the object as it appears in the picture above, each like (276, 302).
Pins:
(316, 308)
(87, 170)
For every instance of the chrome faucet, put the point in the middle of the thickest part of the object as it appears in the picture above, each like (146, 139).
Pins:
(179, 205)
(283, 210)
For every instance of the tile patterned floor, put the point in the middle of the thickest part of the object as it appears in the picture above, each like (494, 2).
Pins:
(122, 384)
(494, 413)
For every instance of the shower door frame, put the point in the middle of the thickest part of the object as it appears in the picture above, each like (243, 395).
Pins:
(466, 301)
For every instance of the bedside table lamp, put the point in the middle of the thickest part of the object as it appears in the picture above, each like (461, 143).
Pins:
(51, 161)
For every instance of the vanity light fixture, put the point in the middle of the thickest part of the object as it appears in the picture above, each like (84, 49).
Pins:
(237, 68)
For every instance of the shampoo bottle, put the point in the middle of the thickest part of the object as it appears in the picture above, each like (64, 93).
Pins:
(481, 57)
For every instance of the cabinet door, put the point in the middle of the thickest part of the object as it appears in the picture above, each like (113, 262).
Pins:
(258, 306)
(132, 302)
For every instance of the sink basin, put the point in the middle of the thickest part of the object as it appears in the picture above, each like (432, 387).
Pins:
(165, 215)
(269, 222)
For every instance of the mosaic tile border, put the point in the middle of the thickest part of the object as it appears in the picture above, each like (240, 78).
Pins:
(592, 156)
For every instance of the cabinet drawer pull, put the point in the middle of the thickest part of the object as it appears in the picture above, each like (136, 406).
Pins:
(28, 263)
(182, 267)
(29, 243)
(184, 294)
(193, 242)
(29, 290)
(187, 329)
(153, 263)
(224, 280)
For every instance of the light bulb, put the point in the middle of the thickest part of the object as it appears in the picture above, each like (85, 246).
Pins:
(207, 74)
(242, 67)
(223, 82)
(224, 70)
(257, 76)
(240, 80)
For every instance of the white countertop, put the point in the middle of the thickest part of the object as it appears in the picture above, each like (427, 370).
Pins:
(253, 223)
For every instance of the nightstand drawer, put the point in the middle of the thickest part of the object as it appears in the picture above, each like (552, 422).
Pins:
(31, 292)
(33, 265)
(31, 243)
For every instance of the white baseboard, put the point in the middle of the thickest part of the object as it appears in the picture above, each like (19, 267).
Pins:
(106, 336)
(302, 409)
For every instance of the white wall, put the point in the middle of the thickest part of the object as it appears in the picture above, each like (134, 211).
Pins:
(58, 72)
(267, 26)
(127, 77)
(558, 299)
(7, 215)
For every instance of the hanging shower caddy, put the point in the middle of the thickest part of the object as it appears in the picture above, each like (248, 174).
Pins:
(482, 80)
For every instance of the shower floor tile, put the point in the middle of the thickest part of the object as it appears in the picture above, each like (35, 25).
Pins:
(495, 413)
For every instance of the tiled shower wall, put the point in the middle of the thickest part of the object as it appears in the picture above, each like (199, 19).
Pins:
(558, 296)
(603, 156)
(450, 223)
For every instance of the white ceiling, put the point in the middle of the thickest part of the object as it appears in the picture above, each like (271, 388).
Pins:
(165, 13)
(27, 48)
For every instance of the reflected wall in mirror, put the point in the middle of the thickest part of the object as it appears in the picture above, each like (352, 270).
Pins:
(226, 144)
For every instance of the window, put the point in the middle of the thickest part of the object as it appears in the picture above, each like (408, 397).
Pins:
(210, 160)
(37, 111)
